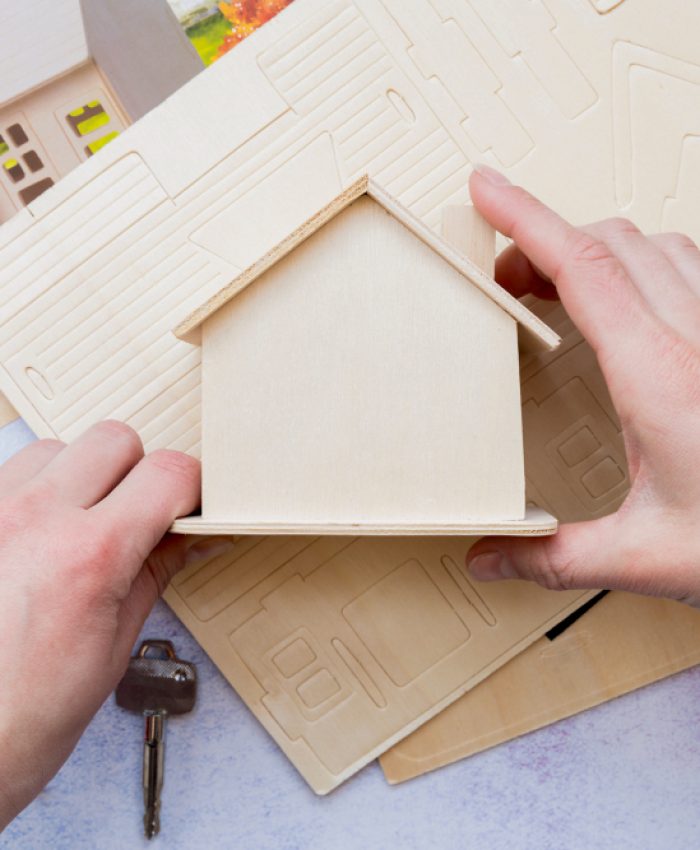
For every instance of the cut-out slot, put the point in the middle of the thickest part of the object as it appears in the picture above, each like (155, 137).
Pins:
(360, 673)
(33, 161)
(17, 135)
(40, 382)
(400, 104)
(471, 594)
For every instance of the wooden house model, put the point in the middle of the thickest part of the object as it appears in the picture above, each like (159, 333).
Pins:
(362, 377)
(73, 75)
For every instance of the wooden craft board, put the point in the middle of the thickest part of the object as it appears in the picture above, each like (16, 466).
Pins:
(319, 637)
(332, 90)
(622, 643)
(97, 271)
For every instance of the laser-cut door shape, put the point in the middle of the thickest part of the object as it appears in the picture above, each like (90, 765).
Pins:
(363, 378)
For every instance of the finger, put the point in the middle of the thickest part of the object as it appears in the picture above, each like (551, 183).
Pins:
(172, 554)
(23, 466)
(618, 552)
(683, 254)
(592, 284)
(516, 273)
(161, 487)
(89, 467)
(654, 276)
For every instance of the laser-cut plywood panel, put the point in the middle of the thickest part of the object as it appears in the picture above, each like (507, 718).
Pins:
(409, 92)
(319, 637)
(623, 643)
(565, 97)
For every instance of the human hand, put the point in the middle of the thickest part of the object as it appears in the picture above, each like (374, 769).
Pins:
(83, 558)
(636, 299)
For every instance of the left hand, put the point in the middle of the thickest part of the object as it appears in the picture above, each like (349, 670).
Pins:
(83, 558)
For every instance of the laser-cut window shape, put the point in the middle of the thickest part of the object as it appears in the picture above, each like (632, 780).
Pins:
(318, 688)
(33, 161)
(88, 118)
(294, 658)
(13, 170)
(32, 192)
(4, 147)
(603, 478)
(39, 382)
(579, 447)
(400, 104)
(17, 135)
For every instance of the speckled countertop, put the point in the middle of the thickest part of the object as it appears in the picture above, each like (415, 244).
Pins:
(624, 775)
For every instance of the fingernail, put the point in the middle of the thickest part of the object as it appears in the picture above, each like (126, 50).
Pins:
(494, 177)
(208, 549)
(491, 566)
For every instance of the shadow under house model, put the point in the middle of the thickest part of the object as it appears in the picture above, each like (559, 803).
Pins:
(362, 378)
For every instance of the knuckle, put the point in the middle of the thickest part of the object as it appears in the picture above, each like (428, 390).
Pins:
(677, 365)
(587, 257)
(94, 561)
(678, 242)
(584, 249)
(34, 498)
(618, 226)
(98, 548)
(48, 446)
(18, 515)
(555, 568)
(121, 434)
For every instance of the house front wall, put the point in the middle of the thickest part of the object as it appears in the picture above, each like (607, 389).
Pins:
(361, 379)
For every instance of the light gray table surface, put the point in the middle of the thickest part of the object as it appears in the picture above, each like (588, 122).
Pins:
(624, 775)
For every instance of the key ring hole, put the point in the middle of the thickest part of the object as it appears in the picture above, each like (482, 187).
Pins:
(157, 649)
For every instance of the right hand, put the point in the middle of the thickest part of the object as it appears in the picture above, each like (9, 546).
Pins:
(636, 299)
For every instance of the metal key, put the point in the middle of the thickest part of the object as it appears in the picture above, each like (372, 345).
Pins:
(156, 684)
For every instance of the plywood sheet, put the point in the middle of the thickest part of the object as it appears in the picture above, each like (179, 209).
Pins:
(410, 92)
(594, 107)
(319, 637)
(622, 643)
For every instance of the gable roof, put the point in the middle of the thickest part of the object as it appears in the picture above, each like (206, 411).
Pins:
(533, 328)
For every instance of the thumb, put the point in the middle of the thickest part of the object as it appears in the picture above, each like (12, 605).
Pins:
(581, 555)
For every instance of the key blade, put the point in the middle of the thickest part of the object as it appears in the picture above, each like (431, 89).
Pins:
(153, 769)
(151, 822)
